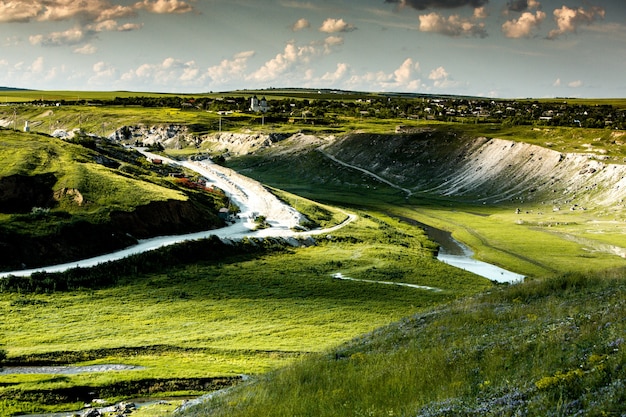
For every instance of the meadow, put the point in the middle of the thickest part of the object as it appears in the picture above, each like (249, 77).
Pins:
(223, 318)
(314, 345)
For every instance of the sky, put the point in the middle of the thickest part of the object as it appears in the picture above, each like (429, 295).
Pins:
(487, 48)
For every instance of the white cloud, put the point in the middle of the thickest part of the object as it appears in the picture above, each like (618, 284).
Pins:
(336, 25)
(331, 42)
(438, 74)
(454, 25)
(441, 78)
(568, 20)
(37, 66)
(481, 13)
(575, 84)
(164, 6)
(403, 78)
(339, 74)
(301, 24)
(68, 37)
(293, 56)
(18, 11)
(91, 17)
(557, 83)
(523, 26)
(170, 72)
(230, 69)
(87, 49)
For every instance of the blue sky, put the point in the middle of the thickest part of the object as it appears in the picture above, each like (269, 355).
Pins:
(507, 48)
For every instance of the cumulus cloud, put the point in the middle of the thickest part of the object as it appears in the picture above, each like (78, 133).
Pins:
(294, 56)
(112, 26)
(438, 4)
(568, 20)
(403, 75)
(69, 37)
(403, 78)
(523, 26)
(338, 75)
(441, 79)
(164, 6)
(91, 16)
(229, 69)
(481, 13)
(332, 42)
(87, 49)
(331, 25)
(37, 66)
(301, 24)
(454, 25)
(282, 62)
(102, 73)
(58, 10)
(170, 71)
(18, 11)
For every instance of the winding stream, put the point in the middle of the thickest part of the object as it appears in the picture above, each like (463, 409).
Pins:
(453, 252)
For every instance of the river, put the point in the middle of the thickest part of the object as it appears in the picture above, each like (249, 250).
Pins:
(453, 252)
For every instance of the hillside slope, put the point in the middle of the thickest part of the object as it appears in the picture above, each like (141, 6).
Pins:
(546, 348)
(493, 171)
(61, 201)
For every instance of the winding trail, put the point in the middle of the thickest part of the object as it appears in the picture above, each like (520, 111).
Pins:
(366, 172)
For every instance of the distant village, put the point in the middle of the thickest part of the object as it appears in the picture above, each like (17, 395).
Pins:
(328, 107)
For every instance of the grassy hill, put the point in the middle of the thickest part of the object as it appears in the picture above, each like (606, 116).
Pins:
(62, 201)
(196, 317)
(552, 347)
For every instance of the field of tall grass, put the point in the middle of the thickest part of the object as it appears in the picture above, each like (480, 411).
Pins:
(551, 347)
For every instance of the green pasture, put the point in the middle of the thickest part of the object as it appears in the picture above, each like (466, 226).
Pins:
(550, 347)
(229, 317)
(76, 167)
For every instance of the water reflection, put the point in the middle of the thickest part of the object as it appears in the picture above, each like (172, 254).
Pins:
(453, 252)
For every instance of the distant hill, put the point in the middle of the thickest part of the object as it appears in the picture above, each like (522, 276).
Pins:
(13, 89)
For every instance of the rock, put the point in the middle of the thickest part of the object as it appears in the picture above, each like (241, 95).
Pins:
(92, 412)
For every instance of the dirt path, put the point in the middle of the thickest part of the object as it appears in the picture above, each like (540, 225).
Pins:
(365, 171)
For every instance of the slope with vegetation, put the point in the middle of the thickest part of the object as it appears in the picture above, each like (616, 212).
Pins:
(540, 200)
(551, 347)
(62, 201)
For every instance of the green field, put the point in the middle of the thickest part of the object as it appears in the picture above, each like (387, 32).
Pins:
(229, 317)
(195, 318)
